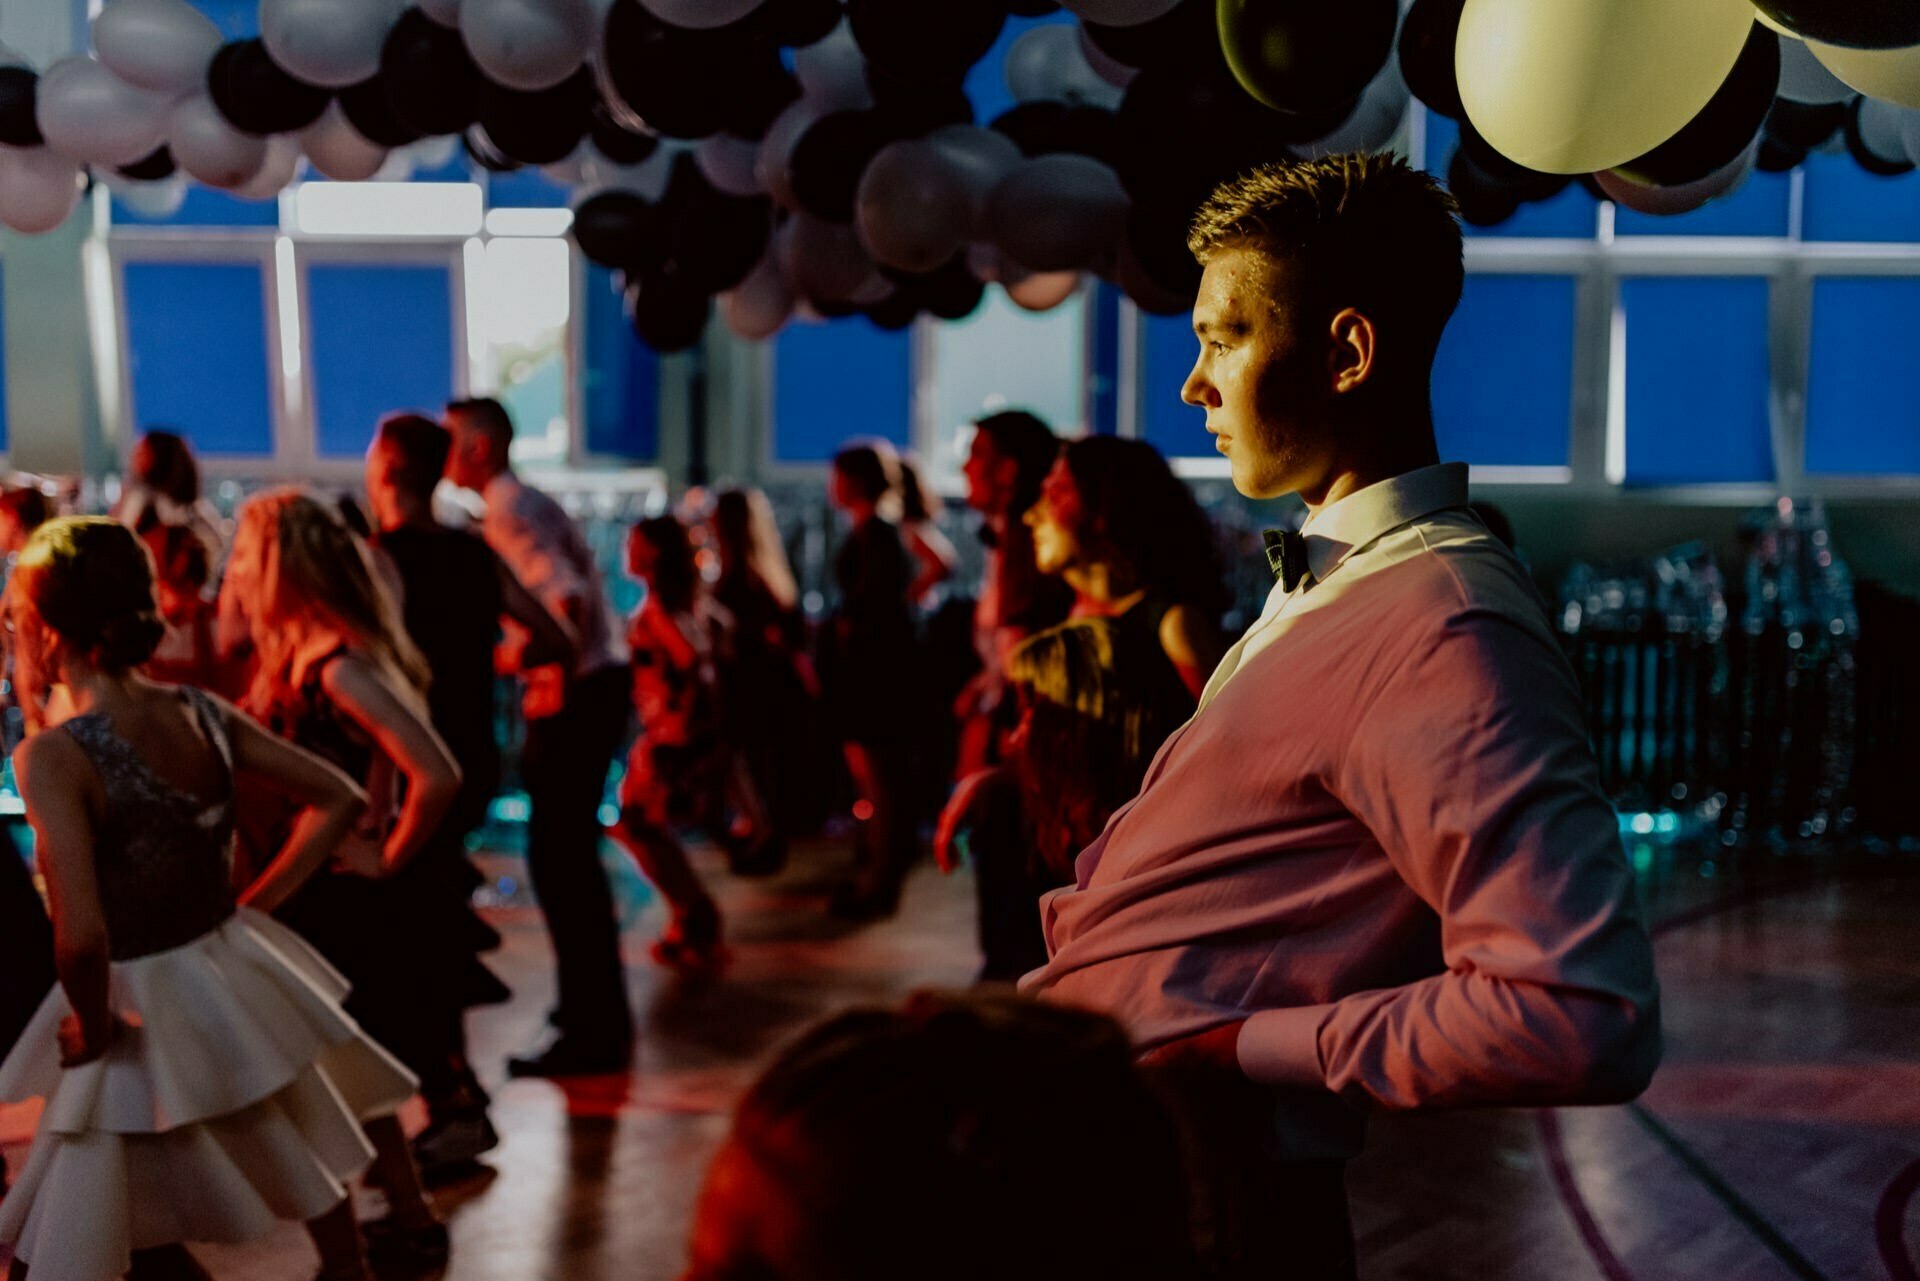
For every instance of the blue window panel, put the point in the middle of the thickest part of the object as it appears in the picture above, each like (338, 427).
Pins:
(525, 189)
(198, 357)
(205, 207)
(3, 366)
(1697, 381)
(1573, 214)
(237, 19)
(986, 83)
(839, 380)
(1863, 389)
(1174, 427)
(1103, 388)
(622, 377)
(1760, 207)
(1845, 202)
(381, 339)
(1503, 380)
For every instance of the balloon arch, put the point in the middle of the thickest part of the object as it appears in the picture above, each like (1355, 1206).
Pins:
(777, 154)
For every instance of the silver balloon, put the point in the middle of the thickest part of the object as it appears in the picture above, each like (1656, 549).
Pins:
(731, 164)
(1911, 137)
(1804, 78)
(1045, 291)
(1119, 13)
(773, 167)
(912, 209)
(208, 148)
(700, 13)
(331, 43)
(1375, 120)
(528, 44)
(759, 306)
(163, 45)
(444, 12)
(276, 171)
(833, 72)
(824, 260)
(87, 113)
(1884, 127)
(985, 157)
(1058, 213)
(1046, 65)
(160, 199)
(340, 151)
(1105, 65)
(39, 188)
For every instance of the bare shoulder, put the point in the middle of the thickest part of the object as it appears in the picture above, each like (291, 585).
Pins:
(52, 758)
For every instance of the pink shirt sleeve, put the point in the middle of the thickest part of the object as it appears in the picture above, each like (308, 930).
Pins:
(1471, 767)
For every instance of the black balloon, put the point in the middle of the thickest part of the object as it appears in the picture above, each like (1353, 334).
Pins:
(894, 312)
(152, 167)
(622, 146)
(483, 151)
(1494, 171)
(1182, 34)
(1725, 127)
(1427, 40)
(950, 291)
(683, 83)
(918, 102)
(617, 229)
(761, 93)
(257, 95)
(1803, 126)
(669, 314)
(714, 240)
(1306, 56)
(432, 84)
(830, 158)
(1191, 127)
(1776, 156)
(368, 109)
(19, 90)
(1481, 203)
(1032, 8)
(1872, 161)
(796, 22)
(1858, 24)
(947, 34)
(540, 127)
(1157, 234)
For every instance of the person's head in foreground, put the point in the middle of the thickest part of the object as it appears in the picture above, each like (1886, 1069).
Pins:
(480, 436)
(83, 601)
(404, 465)
(955, 1139)
(1327, 284)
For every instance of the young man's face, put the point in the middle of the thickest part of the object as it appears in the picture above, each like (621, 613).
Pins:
(467, 454)
(1263, 374)
(383, 488)
(985, 470)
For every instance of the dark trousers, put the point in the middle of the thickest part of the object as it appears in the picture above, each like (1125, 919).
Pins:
(26, 946)
(1007, 882)
(564, 764)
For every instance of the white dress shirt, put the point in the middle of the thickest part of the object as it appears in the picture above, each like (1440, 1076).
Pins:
(1381, 841)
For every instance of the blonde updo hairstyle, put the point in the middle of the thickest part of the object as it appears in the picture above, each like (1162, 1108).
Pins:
(90, 579)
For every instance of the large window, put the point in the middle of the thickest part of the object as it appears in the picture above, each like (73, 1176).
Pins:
(837, 380)
(1863, 387)
(1503, 382)
(380, 337)
(197, 355)
(1696, 390)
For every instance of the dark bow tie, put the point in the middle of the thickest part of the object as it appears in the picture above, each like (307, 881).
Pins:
(1287, 554)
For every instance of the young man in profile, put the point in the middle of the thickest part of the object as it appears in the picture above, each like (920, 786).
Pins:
(1376, 869)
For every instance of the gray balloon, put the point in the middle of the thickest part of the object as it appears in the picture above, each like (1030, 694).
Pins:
(528, 44)
(38, 189)
(759, 306)
(824, 260)
(340, 151)
(730, 164)
(984, 157)
(276, 171)
(1058, 213)
(1883, 128)
(1119, 13)
(209, 149)
(1804, 78)
(163, 45)
(774, 165)
(912, 210)
(331, 43)
(88, 113)
(1047, 65)
(833, 72)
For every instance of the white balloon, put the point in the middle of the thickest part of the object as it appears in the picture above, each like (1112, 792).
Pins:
(208, 148)
(1119, 13)
(164, 45)
(158, 199)
(340, 151)
(39, 187)
(700, 14)
(1105, 65)
(985, 157)
(759, 306)
(1058, 213)
(1046, 65)
(331, 43)
(276, 171)
(731, 164)
(88, 113)
(824, 259)
(528, 44)
(833, 72)
(444, 12)
(1374, 121)
(1045, 291)
(912, 209)
(397, 167)
(1804, 78)
(774, 165)
(1884, 128)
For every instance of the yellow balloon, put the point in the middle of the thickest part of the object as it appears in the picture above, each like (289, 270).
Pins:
(1767, 21)
(1892, 75)
(1576, 86)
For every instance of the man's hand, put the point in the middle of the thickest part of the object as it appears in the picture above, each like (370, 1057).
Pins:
(1215, 1049)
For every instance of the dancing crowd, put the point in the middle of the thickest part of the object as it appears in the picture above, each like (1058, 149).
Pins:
(1356, 859)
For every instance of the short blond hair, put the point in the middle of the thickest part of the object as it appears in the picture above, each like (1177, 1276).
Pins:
(1375, 232)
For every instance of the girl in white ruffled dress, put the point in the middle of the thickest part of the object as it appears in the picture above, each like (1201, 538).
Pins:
(201, 1081)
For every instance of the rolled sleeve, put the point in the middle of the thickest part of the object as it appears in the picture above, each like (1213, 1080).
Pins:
(1282, 1047)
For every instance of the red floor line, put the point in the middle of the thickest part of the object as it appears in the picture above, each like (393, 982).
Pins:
(1890, 1222)
(1562, 1171)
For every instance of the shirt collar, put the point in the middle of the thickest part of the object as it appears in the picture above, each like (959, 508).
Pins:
(1340, 528)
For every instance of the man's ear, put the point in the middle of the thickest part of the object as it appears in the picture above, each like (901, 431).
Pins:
(1353, 351)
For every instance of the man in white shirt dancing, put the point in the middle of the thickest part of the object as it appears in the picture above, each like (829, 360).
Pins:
(1376, 869)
